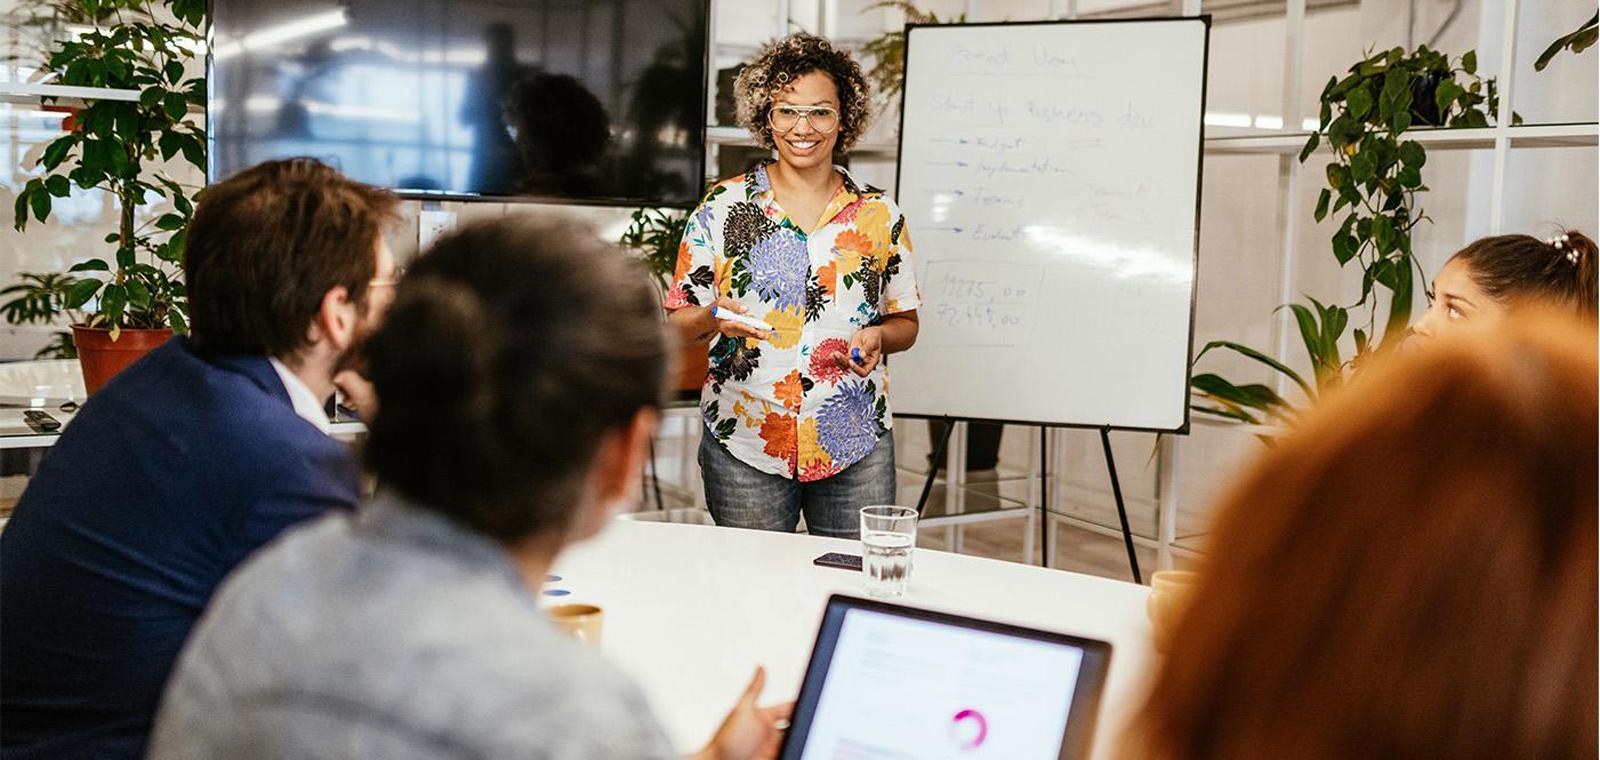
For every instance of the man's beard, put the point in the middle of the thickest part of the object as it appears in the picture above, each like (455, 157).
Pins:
(355, 357)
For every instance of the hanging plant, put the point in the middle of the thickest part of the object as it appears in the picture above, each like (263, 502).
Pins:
(1578, 41)
(1373, 180)
(888, 50)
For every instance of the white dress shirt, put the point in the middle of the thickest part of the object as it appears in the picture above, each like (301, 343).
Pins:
(305, 402)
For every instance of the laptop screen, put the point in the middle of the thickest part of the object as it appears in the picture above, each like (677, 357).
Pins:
(889, 682)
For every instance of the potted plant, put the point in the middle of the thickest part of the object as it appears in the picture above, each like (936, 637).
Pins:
(123, 305)
(1373, 179)
(657, 236)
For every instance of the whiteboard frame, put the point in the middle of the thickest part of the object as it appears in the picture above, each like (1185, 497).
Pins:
(1200, 134)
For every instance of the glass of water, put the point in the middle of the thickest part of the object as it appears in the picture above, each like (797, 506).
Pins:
(887, 537)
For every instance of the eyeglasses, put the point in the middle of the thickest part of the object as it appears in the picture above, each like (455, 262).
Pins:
(390, 281)
(821, 118)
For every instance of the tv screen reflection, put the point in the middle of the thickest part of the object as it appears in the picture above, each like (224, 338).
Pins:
(598, 101)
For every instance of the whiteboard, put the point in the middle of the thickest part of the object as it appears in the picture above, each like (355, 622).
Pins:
(1050, 178)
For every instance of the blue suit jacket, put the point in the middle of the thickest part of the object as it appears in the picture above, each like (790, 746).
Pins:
(168, 478)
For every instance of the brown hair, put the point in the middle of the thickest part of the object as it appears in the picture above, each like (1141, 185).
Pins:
(1514, 268)
(1411, 574)
(785, 60)
(512, 348)
(266, 246)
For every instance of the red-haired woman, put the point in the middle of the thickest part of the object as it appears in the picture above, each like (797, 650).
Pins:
(1411, 574)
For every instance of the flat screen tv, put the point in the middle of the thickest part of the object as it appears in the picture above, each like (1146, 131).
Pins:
(579, 101)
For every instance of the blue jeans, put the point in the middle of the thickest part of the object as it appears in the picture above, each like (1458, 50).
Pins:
(741, 496)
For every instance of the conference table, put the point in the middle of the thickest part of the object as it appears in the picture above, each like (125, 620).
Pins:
(690, 610)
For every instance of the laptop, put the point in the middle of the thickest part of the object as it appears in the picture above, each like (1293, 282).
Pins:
(888, 682)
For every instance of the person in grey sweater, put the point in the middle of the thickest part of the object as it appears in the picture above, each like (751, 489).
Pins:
(518, 377)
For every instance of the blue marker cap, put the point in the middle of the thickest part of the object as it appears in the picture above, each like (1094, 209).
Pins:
(855, 356)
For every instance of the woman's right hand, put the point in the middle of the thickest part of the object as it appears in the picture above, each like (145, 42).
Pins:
(730, 328)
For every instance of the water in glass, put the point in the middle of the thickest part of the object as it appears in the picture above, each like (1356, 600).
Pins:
(887, 563)
(888, 535)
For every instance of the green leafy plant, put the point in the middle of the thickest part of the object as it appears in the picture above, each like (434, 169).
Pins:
(888, 50)
(41, 299)
(655, 234)
(109, 144)
(1373, 180)
(1578, 41)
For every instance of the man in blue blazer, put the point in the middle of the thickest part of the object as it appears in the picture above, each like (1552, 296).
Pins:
(189, 460)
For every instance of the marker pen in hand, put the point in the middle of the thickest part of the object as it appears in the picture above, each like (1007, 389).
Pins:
(855, 356)
(732, 316)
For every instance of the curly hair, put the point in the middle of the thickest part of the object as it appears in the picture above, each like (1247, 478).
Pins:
(781, 62)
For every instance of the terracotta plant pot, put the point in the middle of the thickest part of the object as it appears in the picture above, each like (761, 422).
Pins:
(103, 357)
(693, 362)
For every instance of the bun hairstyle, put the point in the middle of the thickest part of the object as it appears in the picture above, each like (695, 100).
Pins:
(512, 348)
(1513, 268)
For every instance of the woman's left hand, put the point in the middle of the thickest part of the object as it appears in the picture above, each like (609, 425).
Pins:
(868, 341)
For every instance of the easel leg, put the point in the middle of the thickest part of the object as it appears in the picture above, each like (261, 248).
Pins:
(655, 477)
(955, 480)
(1122, 510)
(1030, 527)
(1046, 553)
(933, 468)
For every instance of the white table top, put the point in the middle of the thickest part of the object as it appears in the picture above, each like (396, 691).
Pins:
(41, 384)
(690, 610)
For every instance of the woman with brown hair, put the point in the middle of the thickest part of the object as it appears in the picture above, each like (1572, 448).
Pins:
(520, 371)
(1412, 574)
(1483, 282)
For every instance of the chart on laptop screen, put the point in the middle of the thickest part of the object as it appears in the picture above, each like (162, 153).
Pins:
(901, 688)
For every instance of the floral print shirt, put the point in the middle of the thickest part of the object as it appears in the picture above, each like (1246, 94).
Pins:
(782, 405)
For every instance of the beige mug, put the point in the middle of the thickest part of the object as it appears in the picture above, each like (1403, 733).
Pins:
(580, 621)
(1169, 592)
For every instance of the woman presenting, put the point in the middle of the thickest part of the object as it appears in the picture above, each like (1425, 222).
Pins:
(800, 279)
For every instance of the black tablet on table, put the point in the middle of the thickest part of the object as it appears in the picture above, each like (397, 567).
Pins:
(887, 682)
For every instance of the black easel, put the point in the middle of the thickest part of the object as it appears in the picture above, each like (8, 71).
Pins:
(1044, 492)
(1122, 511)
(1116, 492)
(1044, 497)
(933, 467)
(654, 477)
